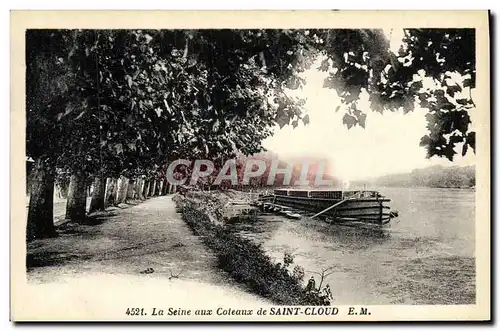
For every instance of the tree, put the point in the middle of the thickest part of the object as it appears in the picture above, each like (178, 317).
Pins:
(128, 106)
(325, 272)
(357, 61)
(432, 69)
(47, 86)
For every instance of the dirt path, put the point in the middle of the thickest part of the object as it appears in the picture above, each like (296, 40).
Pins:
(127, 241)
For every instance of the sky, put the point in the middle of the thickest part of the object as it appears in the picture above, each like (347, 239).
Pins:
(389, 144)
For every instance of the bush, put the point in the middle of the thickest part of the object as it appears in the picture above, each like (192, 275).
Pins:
(210, 204)
(246, 262)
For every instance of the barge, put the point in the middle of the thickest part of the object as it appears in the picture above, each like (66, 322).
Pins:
(336, 206)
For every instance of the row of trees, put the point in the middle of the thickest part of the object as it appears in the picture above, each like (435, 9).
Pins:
(116, 190)
(124, 103)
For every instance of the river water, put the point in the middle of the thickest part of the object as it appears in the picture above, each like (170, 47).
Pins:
(425, 256)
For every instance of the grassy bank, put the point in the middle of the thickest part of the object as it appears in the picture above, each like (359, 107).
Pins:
(245, 261)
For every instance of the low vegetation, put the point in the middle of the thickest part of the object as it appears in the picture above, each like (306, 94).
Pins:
(245, 261)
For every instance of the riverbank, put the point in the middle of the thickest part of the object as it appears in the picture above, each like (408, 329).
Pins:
(145, 244)
(243, 260)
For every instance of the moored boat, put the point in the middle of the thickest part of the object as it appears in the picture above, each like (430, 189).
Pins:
(338, 206)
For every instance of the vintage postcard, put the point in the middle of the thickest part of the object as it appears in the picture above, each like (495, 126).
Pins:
(250, 166)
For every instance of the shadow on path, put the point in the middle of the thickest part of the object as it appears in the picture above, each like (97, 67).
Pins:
(147, 240)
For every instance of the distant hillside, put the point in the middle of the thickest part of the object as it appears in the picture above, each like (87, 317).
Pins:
(435, 176)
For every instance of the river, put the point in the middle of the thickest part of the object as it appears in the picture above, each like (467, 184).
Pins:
(425, 256)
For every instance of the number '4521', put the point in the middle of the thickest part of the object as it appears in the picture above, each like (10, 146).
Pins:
(135, 311)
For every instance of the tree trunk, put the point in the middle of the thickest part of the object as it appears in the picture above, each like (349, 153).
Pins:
(153, 186)
(41, 208)
(77, 198)
(140, 189)
(110, 192)
(122, 190)
(163, 187)
(160, 188)
(131, 189)
(98, 194)
(119, 184)
(115, 191)
(126, 184)
(146, 189)
(150, 188)
(29, 177)
(143, 189)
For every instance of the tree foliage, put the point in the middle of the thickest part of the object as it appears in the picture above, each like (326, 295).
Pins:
(434, 68)
(126, 101)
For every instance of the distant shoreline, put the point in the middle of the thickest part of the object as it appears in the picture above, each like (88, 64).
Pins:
(431, 177)
(419, 187)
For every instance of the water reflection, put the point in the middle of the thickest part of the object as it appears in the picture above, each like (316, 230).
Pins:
(262, 227)
(255, 227)
(352, 235)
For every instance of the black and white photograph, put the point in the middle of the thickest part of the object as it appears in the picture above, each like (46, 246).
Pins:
(227, 170)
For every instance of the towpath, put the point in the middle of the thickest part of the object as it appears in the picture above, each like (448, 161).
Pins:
(125, 242)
